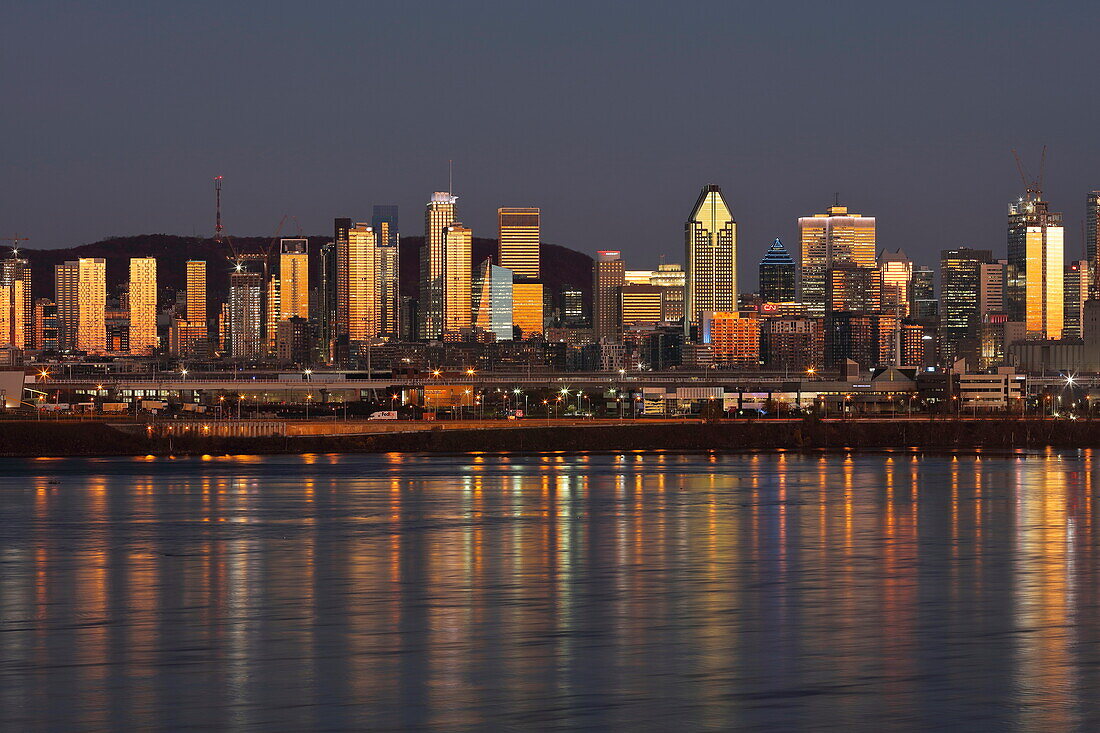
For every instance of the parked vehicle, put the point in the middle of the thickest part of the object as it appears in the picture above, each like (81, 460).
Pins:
(383, 415)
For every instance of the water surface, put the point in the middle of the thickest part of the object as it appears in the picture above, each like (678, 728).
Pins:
(494, 592)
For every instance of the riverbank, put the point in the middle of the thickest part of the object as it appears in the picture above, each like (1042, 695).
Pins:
(96, 438)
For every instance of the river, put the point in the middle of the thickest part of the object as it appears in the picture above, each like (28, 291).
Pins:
(643, 591)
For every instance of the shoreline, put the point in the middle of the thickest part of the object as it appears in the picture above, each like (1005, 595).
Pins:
(97, 439)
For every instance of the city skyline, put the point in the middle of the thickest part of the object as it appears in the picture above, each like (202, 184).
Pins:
(80, 178)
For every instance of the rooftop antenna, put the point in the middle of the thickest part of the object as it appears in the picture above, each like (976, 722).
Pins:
(836, 198)
(218, 199)
(451, 177)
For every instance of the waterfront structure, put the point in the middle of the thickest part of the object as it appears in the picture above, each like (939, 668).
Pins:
(778, 276)
(438, 216)
(81, 292)
(142, 299)
(924, 305)
(1092, 241)
(960, 290)
(641, 304)
(16, 303)
(734, 339)
(492, 300)
(827, 240)
(293, 278)
(244, 314)
(518, 241)
(1034, 292)
(896, 274)
(608, 277)
(1076, 293)
(710, 249)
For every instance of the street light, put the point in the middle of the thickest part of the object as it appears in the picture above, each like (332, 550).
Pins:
(309, 374)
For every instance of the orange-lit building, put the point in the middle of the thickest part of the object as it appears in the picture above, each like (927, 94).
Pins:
(734, 338)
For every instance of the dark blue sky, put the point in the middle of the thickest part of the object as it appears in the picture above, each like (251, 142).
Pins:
(608, 115)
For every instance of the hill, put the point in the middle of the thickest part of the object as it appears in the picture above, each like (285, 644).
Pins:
(561, 265)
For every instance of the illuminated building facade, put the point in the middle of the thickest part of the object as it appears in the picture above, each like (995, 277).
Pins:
(866, 338)
(518, 231)
(15, 294)
(1036, 272)
(143, 305)
(991, 287)
(710, 248)
(1076, 293)
(357, 302)
(244, 314)
(293, 278)
(196, 291)
(492, 300)
(608, 276)
(827, 240)
(896, 274)
(1092, 240)
(792, 343)
(439, 215)
(853, 288)
(924, 305)
(960, 290)
(45, 325)
(528, 312)
(641, 305)
(778, 277)
(81, 291)
(734, 340)
(457, 294)
(573, 312)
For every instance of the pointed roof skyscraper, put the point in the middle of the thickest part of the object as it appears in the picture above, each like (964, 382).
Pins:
(778, 280)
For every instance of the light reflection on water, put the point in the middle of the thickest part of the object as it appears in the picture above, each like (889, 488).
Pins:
(649, 591)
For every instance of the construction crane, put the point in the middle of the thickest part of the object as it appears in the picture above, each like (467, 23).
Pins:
(218, 208)
(14, 243)
(1032, 186)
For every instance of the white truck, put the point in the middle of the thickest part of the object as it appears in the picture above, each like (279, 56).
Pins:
(383, 415)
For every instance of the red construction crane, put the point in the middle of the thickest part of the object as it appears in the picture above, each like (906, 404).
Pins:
(14, 243)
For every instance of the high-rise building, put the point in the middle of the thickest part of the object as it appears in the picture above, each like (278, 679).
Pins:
(792, 343)
(778, 279)
(991, 287)
(528, 307)
(384, 221)
(853, 288)
(1076, 293)
(438, 216)
(710, 244)
(960, 290)
(1092, 241)
(81, 292)
(492, 300)
(869, 339)
(293, 278)
(896, 273)
(519, 241)
(607, 280)
(196, 292)
(671, 279)
(458, 250)
(924, 305)
(357, 297)
(143, 305)
(245, 314)
(836, 237)
(734, 340)
(573, 314)
(45, 325)
(17, 303)
(641, 305)
(1034, 292)
(329, 278)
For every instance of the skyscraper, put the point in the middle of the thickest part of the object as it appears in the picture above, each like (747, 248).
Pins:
(188, 336)
(384, 221)
(960, 290)
(607, 281)
(710, 243)
(143, 305)
(492, 300)
(991, 288)
(1092, 241)
(1035, 267)
(439, 214)
(778, 282)
(81, 292)
(196, 291)
(457, 293)
(924, 303)
(15, 281)
(385, 224)
(356, 292)
(328, 295)
(245, 314)
(518, 231)
(1077, 292)
(829, 239)
(896, 272)
(293, 278)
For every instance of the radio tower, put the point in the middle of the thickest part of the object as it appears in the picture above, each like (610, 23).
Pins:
(218, 199)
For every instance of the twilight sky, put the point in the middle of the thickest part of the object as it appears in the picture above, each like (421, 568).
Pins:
(608, 115)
